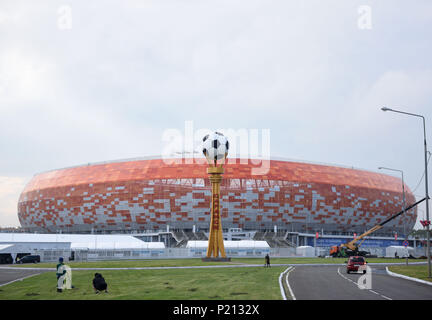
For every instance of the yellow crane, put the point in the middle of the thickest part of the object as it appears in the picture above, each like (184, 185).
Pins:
(352, 248)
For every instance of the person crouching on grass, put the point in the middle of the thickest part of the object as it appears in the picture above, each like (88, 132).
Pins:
(99, 283)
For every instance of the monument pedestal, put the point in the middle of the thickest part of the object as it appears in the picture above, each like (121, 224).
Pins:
(216, 259)
(215, 249)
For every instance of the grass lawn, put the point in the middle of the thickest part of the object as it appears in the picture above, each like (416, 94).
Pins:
(127, 263)
(256, 283)
(414, 271)
(198, 262)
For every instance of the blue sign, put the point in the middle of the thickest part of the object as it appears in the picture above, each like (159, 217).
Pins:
(405, 243)
(328, 242)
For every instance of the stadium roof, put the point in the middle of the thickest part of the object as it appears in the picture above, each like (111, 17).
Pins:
(237, 158)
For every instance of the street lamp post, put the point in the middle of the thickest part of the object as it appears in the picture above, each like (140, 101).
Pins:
(403, 201)
(426, 182)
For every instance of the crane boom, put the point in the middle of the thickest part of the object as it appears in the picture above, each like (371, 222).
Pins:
(352, 244)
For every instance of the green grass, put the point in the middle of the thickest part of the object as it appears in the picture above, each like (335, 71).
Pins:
(198, 262)
(127, 263)
(256, 283)
(414, 271)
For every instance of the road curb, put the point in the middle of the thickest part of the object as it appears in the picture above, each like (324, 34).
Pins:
(393, 274)
(288, 285)
(284, 297)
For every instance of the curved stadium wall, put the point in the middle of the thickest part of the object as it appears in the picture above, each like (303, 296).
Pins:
(150, 194)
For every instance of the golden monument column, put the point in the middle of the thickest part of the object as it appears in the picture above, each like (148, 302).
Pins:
(215, 149)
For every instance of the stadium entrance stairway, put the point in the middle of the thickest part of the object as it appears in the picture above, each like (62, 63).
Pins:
(275, 239)
(183, 237)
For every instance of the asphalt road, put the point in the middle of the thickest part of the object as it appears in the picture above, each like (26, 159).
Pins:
(8, 275)
(333, 283)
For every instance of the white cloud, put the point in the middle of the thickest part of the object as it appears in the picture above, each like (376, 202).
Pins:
(24, 78)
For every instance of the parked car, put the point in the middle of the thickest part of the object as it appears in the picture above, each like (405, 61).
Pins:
(356, 263)
(29, 259)
(5, 258)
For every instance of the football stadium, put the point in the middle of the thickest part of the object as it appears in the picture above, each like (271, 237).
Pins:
(161, 208)
(155, 194)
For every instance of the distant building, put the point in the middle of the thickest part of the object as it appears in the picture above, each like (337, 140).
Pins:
(12, 229)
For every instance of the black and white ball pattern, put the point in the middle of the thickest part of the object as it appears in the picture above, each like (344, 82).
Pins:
(215, 146)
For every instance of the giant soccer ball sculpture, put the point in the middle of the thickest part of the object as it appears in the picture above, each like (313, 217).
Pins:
(215, 148)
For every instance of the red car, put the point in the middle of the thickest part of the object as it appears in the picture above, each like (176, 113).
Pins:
(356, 264)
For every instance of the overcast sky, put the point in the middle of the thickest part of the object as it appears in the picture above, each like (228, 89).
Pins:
(89, 81)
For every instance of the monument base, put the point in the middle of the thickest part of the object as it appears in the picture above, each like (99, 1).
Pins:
(216, 259)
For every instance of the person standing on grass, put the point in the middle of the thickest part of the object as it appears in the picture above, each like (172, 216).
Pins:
(267, 261)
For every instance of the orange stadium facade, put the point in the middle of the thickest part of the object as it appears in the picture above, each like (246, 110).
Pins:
(156, 194)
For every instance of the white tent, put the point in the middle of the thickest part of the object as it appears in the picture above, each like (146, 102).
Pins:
(401, 251)
(305, 251)
(232, 248)
(83, 241)
(5, 247)
(244, 244)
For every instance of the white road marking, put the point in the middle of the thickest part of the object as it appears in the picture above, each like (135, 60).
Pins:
(370, 290)
(345, 277)
(20, 279)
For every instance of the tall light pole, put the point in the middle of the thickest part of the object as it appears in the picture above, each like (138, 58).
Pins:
(403, 200)
(426, 182)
